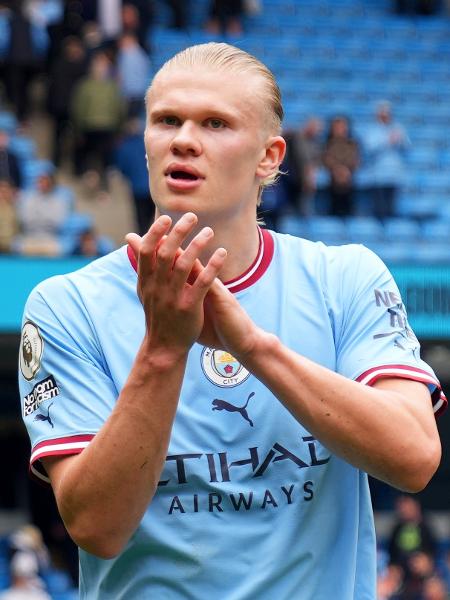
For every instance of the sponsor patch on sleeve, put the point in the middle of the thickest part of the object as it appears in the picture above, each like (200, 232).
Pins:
(31, 349)
(42, 391)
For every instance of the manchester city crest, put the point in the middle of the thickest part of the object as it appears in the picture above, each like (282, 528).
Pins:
(31, 348)
(222, 369)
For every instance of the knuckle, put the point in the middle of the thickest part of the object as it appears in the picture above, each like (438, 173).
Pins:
(164, 254)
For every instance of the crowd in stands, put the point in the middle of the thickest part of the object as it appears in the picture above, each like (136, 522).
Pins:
(329, 163)
(413, 562)
(97, 68)
(94, 58)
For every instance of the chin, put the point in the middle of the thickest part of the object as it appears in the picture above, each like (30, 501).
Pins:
(179, 205)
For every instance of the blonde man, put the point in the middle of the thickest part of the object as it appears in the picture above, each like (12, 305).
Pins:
(211, 433)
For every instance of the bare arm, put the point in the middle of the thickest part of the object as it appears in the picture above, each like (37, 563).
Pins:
(103, 492)
(388, 430)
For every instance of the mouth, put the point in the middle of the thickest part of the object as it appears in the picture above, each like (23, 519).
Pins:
(182, 178)
(184, 175)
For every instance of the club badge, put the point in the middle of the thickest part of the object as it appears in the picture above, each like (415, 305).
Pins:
(222, 369)
(31, 348)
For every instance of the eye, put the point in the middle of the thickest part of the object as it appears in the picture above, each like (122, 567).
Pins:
(215, 123)
(170, 120)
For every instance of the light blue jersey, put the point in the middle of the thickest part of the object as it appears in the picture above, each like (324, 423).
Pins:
(249, 505)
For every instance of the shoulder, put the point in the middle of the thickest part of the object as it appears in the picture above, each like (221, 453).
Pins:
(346, 268)
(335, 257)
(91, 281)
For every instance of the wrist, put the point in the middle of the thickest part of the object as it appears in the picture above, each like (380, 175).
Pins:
(161, 358)
(261, 344)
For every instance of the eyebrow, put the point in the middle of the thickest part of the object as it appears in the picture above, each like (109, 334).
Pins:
(206, 113)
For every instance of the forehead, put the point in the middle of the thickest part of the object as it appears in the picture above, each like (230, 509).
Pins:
(207, 88)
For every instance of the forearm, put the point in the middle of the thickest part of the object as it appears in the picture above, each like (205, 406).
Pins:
(376, 430)
(105, 490)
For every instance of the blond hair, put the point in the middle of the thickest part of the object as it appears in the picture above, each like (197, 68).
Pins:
(225, 56)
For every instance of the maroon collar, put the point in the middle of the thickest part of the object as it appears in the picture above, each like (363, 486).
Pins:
(251, 275)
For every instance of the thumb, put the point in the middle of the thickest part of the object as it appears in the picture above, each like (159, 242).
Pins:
(134, 241)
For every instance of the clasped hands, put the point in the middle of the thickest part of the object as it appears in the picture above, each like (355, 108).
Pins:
(183, 299)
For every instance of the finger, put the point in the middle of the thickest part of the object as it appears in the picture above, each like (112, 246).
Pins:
(134, 241)
(208, 274)
(168, 248)
(150, 242)
(183, 266)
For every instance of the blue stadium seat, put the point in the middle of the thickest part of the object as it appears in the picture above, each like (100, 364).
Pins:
(293, 225)
(331, 230)
(364, 229)
(24, 147)
(431, 253)
(8, 121)
(424, 206)
(398, 253)
(436, 231)
(397, 229)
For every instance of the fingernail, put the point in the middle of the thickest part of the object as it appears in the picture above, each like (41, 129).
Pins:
(207, 232)
(190, 217)
(221, 252)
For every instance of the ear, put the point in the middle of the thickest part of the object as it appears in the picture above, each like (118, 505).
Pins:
(272, 158)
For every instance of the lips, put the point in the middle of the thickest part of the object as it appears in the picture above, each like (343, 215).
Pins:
(182, 177)
(179, 171)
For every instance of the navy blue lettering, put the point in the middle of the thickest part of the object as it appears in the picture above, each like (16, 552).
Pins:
(288, 493)
(215, 501)
(242, 501)
(268, 499)
(176, 505)
(212, 468)
(180, 458)
(315, 462)
(307, 488)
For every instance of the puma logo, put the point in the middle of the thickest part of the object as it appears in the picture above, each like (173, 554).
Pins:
(219, 404)
(41, 417)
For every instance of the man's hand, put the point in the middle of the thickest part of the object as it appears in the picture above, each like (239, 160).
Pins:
(227, 325)
(172, 300)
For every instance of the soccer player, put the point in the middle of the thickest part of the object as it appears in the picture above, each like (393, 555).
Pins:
(210, 435)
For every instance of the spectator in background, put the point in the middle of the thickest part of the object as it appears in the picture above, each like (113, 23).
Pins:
(341, 158)
(435, 589)
(129, 158)
(42, 211)
(179, 13)
(136, 18)
(133, 71)
(28, 539)
(225, 16)
(385, 144)
(64, 74)
(304, 157)
(91, 245)
(390, 583)
(27, 46)
(420, 569)
(25, 583)
(411, 533)
(97, 112)
(10, 168)
(9, 225)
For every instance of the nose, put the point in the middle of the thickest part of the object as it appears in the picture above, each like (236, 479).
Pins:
(186, 140)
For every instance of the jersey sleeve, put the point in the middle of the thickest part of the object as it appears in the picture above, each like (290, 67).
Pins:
(65, 391)
(376, 339)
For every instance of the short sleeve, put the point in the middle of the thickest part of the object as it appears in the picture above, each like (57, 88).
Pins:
(376, 339)
(66, 393)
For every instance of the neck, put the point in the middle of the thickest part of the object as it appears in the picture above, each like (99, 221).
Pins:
(240, 238)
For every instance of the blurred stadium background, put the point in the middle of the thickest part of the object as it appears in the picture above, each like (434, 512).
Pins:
(331, 58)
